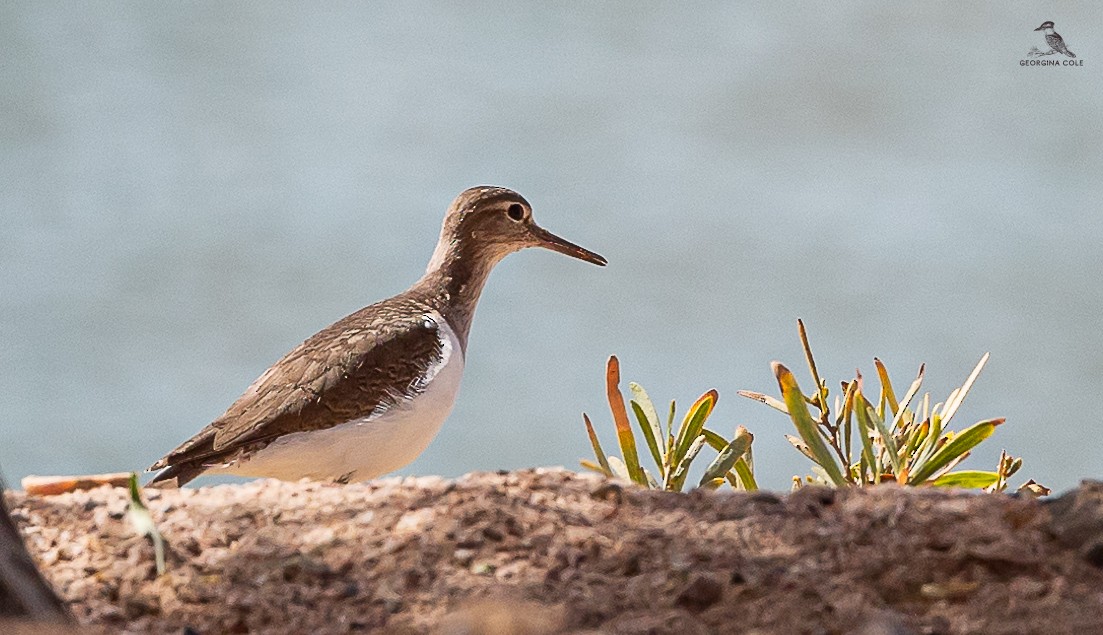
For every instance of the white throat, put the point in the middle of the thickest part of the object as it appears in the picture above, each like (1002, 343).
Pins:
(440, 253)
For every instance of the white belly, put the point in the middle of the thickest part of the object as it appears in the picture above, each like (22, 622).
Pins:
(365, 448)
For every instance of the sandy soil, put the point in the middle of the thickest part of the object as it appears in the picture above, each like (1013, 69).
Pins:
(548, 551)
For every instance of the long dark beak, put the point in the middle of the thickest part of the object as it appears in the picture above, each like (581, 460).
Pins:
(549, 240)
(1038, 29)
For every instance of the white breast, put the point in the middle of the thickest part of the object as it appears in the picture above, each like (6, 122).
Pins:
(365, 448)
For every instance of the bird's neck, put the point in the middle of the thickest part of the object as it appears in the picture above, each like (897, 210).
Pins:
(454, 281)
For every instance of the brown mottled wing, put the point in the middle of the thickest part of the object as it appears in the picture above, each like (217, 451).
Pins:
(1057, 43)
(356, 367)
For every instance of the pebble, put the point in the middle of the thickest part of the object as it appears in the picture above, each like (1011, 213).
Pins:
(702, 592)
(414, 522)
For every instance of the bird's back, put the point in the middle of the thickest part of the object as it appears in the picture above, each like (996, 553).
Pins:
(1057, 43)
(356, 367)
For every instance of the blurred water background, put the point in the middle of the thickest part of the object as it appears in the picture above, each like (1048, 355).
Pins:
(191, 189)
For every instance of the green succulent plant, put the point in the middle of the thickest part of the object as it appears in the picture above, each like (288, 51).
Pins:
(142, 521)
(906, 441)
(673, 450)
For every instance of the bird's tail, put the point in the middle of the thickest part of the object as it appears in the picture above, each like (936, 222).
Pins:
(177, 475)
(1071, 54)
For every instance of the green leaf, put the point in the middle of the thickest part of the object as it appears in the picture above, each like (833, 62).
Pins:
(971, 479)
(619, 469)
(846, 420)
(887, 440)
(806, 426)
(711, 483)
(639, 395)
(746, 475)
(602, 463)
(930, 445)
(820, 398)
(143, 524)
(594, 467)
(886, 386)
(914, 441)
(819, 476)
(966, 440)
(715, 440)
(694, 422)
(801, 447)
(764, 398)
(649, 422)
(913, 390)
(742, 472)
(959, 395)
(871, 467)
(625, 437)
(727, 457)
(135, 502)
(678, 480)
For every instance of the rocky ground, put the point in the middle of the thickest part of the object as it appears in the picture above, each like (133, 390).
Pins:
(549, 551)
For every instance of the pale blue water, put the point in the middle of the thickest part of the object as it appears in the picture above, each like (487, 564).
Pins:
(189, 190)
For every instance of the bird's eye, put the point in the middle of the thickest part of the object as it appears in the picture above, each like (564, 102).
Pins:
(516, 212)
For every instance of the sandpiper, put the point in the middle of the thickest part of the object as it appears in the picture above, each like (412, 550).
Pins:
(367, 394)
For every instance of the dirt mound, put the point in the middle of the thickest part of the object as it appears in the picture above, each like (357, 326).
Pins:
(545, 551)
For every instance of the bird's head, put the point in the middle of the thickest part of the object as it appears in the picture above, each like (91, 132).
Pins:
(1045, 25)
(488, 223)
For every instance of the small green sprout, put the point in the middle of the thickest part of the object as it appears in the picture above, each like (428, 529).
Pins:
(905, 441)
(672, 450)
(143, 524)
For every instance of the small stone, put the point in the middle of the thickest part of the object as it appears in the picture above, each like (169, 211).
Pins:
(702, 592)
(318, 536)
(631, 565)
(463, 557)
(511, 571)
(1028, 587)
(409, 580)
(948, 589)
(50, 557)
(101, 517)
(470, 540)
(414, 522)
(1093, 554)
